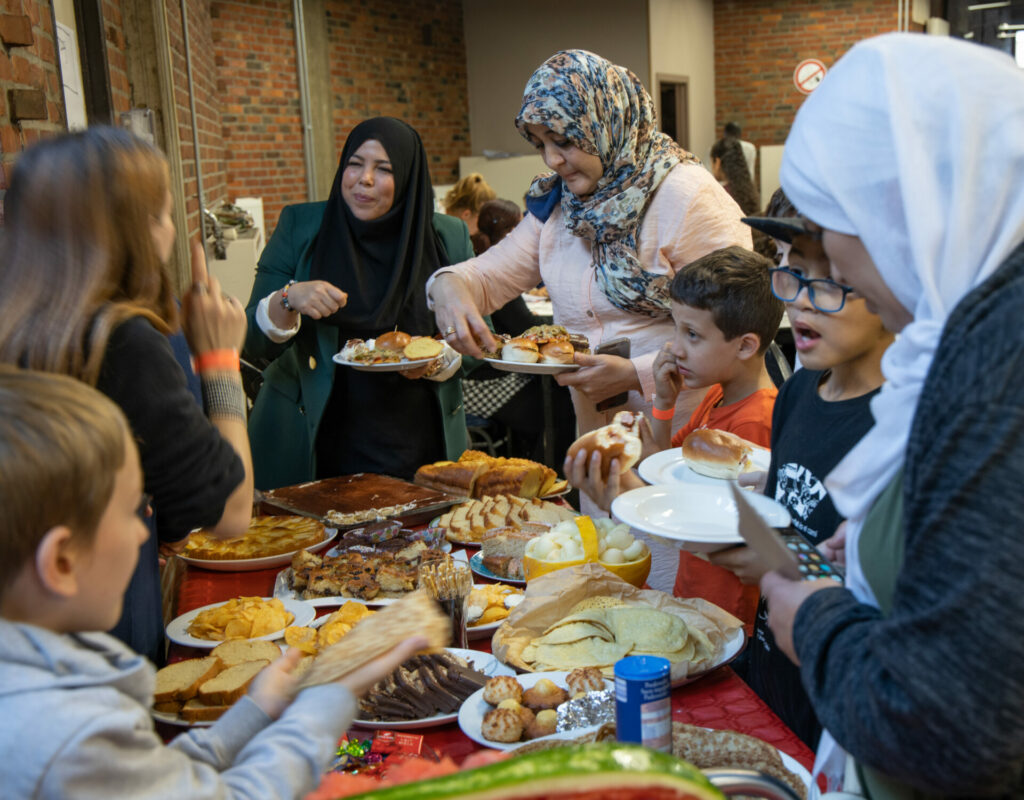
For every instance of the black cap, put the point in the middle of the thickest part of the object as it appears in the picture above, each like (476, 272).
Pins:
(781, 228)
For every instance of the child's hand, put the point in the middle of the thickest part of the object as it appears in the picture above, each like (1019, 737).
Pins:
(741, 561)
(756, 480)
(274, 688)
(584, 472)
(834, 548)
(667, 383)
(360, 680)
(647, 440)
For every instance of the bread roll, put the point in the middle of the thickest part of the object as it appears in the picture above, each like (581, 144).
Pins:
(556, 353)
(620, 439)
(717, 454)
(392, 340)
(520, 350)
(423, 347)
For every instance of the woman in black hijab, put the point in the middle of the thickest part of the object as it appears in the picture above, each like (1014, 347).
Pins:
(353, 267)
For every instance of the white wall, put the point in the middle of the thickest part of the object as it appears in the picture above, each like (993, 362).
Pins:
(682, 43)
(506, 42)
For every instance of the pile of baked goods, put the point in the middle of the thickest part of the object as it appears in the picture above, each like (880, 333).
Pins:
(718, 454)
(424, 686)
(600, 630)
(391, 348)
(469, 521)
(477, 474)
(502, 550)
(544, 344)
(202, 689)
(359, 574)
(267, 536)
(521, 714)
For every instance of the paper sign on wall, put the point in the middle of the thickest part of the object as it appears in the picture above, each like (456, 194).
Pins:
(808, 74)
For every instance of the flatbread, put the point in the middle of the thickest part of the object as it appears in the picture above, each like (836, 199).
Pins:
(417, 614)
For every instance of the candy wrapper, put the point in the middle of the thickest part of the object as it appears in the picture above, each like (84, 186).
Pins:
(371, 756)
(593, 708)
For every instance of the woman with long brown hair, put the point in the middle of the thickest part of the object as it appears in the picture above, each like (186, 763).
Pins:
(83, 292)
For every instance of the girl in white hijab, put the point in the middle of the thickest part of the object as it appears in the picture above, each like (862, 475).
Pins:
(910, 157)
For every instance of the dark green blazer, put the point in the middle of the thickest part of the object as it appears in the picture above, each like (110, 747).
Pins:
(286, 416)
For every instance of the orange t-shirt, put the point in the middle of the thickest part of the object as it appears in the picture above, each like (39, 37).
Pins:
(750, 418)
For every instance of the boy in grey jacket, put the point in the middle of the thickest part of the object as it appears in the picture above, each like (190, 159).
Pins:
(75, 704)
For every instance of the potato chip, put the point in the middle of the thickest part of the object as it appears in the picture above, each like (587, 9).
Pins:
(302, 638)
(241, 618)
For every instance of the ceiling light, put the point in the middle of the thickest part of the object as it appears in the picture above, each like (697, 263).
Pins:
(984, 6)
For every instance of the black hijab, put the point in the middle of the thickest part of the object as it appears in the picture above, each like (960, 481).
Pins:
(382, 264)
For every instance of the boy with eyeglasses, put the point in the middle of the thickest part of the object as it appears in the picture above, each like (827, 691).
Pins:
(820, 413)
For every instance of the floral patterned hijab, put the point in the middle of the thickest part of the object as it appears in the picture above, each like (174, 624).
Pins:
(605, 111)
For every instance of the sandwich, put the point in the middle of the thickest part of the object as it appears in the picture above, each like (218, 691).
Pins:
(520, 349)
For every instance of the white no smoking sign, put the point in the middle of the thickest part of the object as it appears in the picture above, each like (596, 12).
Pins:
(808, 74)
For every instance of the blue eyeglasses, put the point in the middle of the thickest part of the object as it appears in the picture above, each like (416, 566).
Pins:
(824, 293)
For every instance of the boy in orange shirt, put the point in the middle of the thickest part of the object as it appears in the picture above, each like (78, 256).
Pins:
(725, 316)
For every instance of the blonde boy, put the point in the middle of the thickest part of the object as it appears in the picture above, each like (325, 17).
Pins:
(75, 704)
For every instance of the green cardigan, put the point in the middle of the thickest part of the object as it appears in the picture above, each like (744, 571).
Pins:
(297, 384)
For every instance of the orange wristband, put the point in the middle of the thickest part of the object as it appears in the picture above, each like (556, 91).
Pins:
(664, 416)
(224, 360)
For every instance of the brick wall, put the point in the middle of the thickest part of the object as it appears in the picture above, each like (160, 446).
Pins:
(261, 122)
(120, 90)
(28, 62)
(406, 60)
(208, 106)
(754, 63)
(401, 58)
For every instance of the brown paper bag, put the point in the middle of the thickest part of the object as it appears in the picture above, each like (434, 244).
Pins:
(549, 598)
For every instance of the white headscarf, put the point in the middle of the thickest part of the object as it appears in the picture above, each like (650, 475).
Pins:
(915, 144)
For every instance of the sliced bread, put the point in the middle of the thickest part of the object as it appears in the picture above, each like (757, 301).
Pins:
(196, 711)
(180, 682)
(238, 651)
(170, 707)
(230, 685)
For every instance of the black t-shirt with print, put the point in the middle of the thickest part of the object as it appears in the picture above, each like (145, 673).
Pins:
(810, 436)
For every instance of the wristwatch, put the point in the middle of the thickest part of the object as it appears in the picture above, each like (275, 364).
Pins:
(284, 297)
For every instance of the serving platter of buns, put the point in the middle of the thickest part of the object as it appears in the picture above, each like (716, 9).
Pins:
(540, 350)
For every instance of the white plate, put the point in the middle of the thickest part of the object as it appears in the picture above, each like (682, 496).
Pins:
(471, 715)
(797, 769)
(731, 648)
(393, 366)
(252, 564)
(696, 517)
(531, 369)
(476, 563)
(482, 662)
(178, 722)
(668, 466)
(177, 629)
(283, 590)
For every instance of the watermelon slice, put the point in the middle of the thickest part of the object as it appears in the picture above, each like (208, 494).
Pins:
(607, 771)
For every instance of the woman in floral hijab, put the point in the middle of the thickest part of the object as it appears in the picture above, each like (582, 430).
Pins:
(623, 208)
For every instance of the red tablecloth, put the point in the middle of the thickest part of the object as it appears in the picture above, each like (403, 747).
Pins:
(721, 700)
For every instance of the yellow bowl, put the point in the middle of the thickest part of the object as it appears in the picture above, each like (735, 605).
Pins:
(634, 572)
